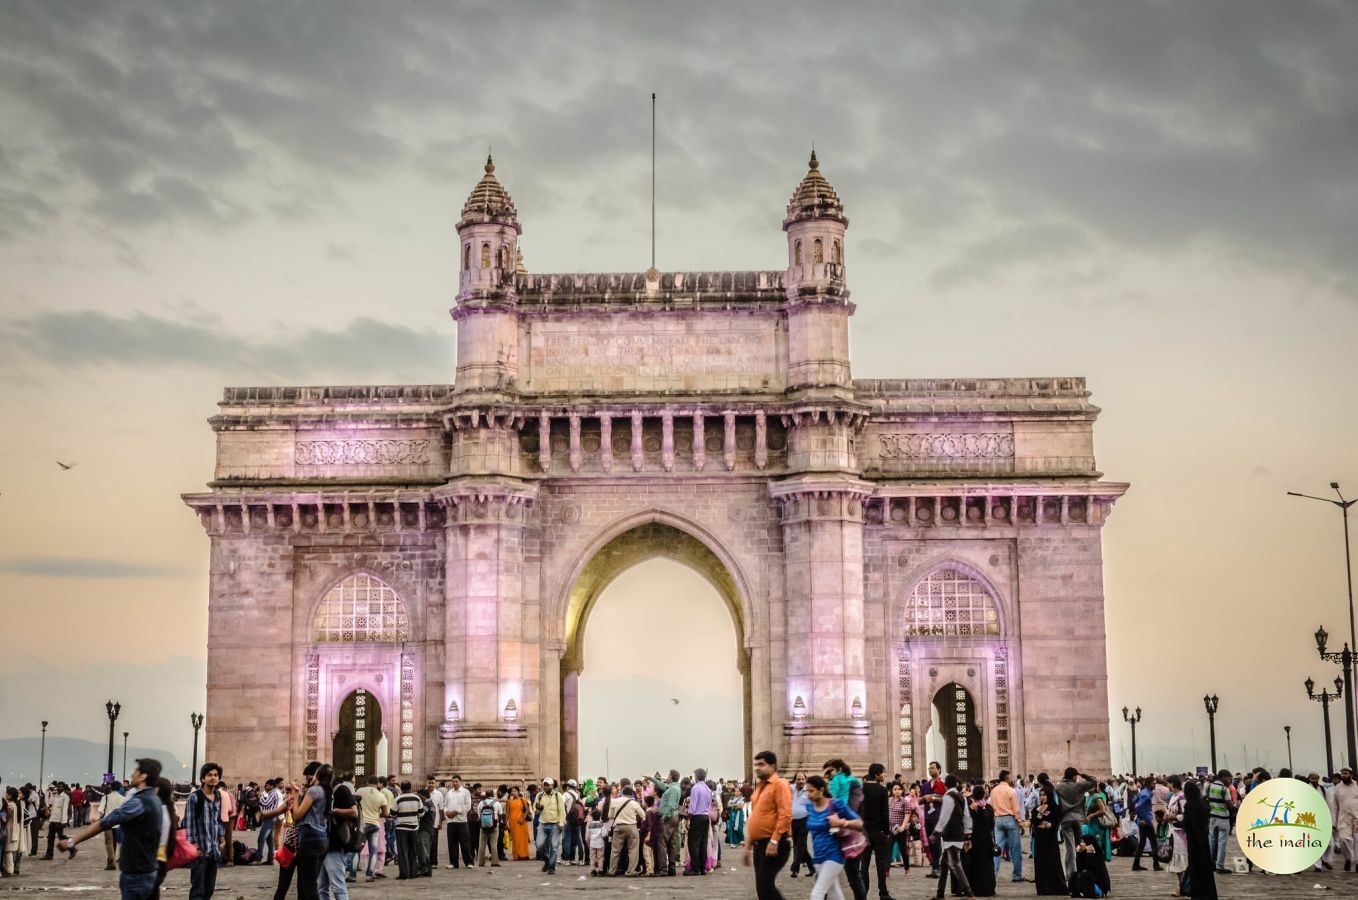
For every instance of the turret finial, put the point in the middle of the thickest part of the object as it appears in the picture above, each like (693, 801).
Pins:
(815, 163)
(490, 164)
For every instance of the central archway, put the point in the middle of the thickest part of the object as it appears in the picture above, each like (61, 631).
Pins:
(655, 537)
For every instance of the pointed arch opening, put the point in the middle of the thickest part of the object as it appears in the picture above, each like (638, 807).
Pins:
(640, 548)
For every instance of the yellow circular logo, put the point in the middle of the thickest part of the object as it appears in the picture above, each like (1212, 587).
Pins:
(1283, 826)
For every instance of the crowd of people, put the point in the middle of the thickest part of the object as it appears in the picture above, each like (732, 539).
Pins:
(327, 829)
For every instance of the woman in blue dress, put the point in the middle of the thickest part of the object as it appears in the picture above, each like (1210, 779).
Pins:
(824, 818)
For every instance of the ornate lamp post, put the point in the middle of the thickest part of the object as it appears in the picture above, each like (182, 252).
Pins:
(112, 709)
(1348, 575)
(42, 754)
(196, 720)
(1324, 698)
(124, 754)
(1287, 730)
(1345, 660)
(1133, 720)
(1210, 703)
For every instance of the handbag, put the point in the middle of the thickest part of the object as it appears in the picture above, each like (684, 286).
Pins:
(284, 856)
(852, 842)
(185, 851)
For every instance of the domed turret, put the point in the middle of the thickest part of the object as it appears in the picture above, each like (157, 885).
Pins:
(489, 201)
(814, 198)
(815, 226)
(489, 230)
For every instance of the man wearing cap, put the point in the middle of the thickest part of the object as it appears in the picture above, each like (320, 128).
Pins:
(551, 807)
(573, 835)
(1346, 819)
(140, 818)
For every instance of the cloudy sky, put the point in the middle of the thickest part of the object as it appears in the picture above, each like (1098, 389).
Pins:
(1162, 197)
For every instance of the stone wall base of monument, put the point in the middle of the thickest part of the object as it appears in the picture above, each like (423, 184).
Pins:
(489, 754)
(811, 743)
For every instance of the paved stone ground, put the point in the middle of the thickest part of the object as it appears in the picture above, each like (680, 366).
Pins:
(85, 875)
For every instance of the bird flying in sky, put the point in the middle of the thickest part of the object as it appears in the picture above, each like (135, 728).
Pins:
(66, 467)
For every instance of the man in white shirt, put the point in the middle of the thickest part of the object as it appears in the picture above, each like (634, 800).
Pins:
(59, 808)
(457, 803)
(111, 800)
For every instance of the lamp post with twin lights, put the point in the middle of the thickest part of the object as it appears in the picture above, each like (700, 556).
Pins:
(1134, 719)
(1324, 698)
(1345, 659)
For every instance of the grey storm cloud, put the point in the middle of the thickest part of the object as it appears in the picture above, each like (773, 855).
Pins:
(1231, 124)
(365, 348)
(79, 567)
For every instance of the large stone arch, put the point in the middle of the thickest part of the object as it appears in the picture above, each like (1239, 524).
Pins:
(613, 550)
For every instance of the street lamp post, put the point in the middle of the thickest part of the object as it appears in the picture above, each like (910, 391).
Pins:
(1133, 720)
(42, 754)
(112, 709)
(1345, 660)
(1324, 698)
(196, 720)
(1287, 730)
(1348, 576)
(1211, 703)
(124, 755)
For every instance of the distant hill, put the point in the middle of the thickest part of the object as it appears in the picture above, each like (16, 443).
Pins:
(75, 760)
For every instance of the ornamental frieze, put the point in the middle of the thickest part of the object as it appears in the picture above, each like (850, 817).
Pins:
(363, 453)
(990, 445)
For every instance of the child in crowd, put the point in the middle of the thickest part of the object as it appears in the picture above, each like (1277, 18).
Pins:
(596, 835)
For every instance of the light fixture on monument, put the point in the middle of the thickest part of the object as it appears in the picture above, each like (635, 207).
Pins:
(856, 710)
(454, 713)
(799, 708)
(511, 711)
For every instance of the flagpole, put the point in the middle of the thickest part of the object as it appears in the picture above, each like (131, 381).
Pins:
(652, 179)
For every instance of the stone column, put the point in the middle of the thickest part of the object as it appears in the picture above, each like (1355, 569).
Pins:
(488, 660)
(823, 560)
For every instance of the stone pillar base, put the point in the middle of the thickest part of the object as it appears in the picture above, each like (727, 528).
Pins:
(491, 754)
(811, 742)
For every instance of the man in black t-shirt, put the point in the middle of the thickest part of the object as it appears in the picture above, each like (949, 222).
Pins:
(877, 829)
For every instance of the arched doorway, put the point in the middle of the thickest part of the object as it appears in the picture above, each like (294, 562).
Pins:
(956, 735)
(358, 744)
(647, 541)
(656, 694)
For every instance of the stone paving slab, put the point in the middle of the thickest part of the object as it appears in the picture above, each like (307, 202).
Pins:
(85, 877)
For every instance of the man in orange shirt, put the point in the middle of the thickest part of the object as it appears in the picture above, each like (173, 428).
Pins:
(1008, 823)
(767, 841)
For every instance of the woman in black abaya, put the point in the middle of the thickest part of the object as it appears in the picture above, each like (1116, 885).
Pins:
(1048, 871)
(1202, 881)
(981, 856)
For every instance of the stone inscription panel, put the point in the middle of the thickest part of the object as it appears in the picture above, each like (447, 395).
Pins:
(660, 352)
(944, 450)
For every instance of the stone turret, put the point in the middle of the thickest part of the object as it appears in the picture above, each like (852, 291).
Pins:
(489, 230)
(815, 226)
(819, 308)
(487, 333)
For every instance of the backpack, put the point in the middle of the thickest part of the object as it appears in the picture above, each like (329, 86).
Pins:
(576, 816)
(488, 818)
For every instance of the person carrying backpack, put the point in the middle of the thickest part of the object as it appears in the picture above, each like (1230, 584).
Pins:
(489, 814)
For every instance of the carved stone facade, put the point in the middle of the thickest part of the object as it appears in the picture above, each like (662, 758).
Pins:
(897, 556)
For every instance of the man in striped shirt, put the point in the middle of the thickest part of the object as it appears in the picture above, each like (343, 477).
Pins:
(268, 802)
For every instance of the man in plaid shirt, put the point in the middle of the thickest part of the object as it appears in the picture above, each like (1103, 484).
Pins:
(203, 819)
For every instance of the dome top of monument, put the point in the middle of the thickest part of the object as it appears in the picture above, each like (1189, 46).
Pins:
(489, 201)
(814, 197)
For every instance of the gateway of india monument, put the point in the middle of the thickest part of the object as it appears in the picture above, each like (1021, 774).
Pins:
(402, 576)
